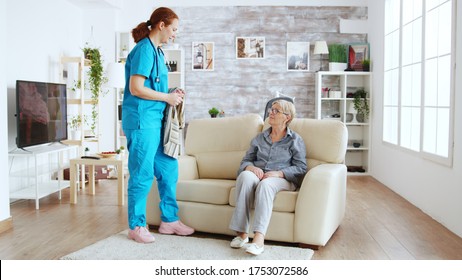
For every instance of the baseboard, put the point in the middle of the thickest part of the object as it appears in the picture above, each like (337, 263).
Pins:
(6, 224)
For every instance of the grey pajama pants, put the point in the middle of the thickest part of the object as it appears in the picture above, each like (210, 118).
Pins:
(250, 191)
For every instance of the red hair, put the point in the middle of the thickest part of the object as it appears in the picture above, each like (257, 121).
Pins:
(161, 14)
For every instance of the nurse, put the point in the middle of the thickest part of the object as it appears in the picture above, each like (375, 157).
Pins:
(145, 98)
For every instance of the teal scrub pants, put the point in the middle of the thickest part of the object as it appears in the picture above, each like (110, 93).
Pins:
(147, 159)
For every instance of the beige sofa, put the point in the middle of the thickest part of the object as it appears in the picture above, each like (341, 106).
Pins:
(207, 174)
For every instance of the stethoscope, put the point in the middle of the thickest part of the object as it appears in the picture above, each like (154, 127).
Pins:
(157, 79)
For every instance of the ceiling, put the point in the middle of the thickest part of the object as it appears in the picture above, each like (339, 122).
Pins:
(97, 4)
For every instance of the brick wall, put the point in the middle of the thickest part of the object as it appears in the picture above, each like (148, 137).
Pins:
(244, 86)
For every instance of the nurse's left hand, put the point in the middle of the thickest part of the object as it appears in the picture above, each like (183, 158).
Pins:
(174, 98)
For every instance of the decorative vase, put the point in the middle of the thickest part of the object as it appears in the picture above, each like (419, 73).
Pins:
(360, 118)
(76, 135)
(348, 117)
(337, 66)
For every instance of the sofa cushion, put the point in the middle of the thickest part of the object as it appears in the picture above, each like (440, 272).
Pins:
(212, 191)
(330, 141)
(284, 201)
(219, 165)
(219, 144)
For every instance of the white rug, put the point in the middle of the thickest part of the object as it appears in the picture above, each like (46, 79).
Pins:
(172, 247)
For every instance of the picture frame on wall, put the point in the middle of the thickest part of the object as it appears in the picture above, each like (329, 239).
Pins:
(203, 56)
(357, 54)
(250, 47)
(298, 56)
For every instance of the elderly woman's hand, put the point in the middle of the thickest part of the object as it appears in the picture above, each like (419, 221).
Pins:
(257, 171)
(277, 174)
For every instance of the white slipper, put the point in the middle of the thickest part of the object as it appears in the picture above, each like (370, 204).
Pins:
(254, 249)
(238, 242)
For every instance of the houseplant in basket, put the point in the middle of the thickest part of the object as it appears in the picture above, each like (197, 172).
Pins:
(337, 57)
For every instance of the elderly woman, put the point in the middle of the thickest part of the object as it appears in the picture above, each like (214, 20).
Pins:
(274, 162)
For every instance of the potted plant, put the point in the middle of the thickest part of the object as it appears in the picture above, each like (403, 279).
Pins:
(214, 112)
(337, 57)
(96, 79)
(121, 150)
(75, 123)
(87, 151)
(361, 105)
(75, 90)
(366, 65)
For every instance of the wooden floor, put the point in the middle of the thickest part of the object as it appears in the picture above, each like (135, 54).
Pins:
(378, 225)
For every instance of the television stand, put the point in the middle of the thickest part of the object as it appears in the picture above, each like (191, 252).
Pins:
(37, 180)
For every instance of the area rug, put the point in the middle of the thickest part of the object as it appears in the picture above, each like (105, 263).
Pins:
(172, 247)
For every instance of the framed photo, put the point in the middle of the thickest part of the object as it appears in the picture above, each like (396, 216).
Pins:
(203, 54)
(250, 47)
(357, 53)
(298, 56)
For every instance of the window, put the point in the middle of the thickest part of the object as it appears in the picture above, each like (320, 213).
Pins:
(418, 77)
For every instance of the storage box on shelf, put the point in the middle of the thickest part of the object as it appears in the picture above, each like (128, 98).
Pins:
(334, 100)
(45, 175)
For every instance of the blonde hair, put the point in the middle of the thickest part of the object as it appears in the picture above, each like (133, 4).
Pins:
(287, 108)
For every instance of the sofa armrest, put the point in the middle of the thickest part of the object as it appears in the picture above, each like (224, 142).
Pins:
(187, 168)
(320, 205)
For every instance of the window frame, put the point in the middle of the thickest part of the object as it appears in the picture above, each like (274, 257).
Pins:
(388, 74)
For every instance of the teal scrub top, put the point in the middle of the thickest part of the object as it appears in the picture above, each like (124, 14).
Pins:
(147, 61)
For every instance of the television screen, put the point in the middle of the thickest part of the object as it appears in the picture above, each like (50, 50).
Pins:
(41, 113)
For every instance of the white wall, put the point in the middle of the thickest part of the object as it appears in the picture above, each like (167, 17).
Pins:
(36, 38)
(40, 35)
(104, 29)
(4, 191)
(435, 189)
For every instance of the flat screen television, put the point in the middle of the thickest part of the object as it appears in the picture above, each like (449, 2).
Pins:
(41, 113)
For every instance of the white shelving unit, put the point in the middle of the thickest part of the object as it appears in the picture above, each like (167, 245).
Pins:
(124, 44)
(121, 140)
(81, 103)
(45, 175)
(338, 104)
(175, 78)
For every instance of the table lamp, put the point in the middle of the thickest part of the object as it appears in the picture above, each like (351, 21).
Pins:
(116, 75)
(320, 47)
